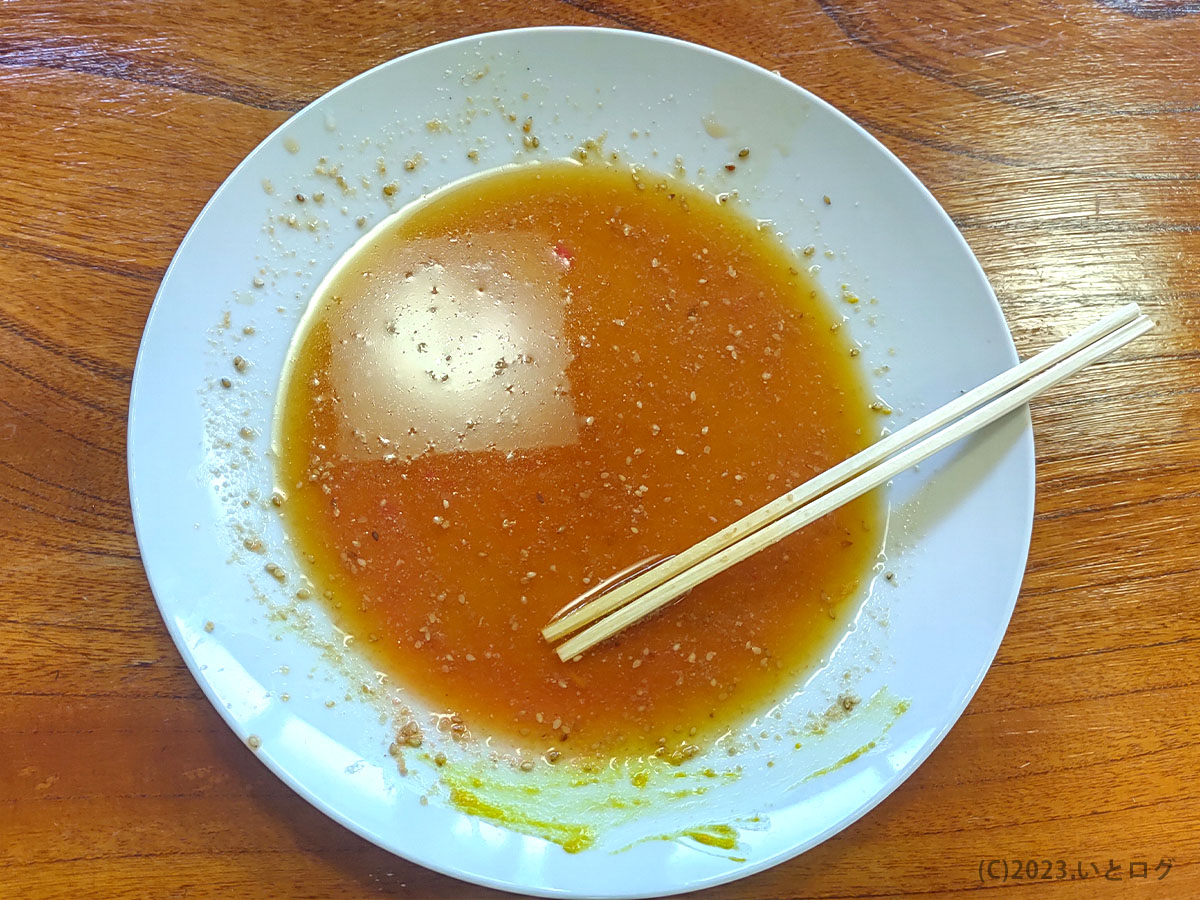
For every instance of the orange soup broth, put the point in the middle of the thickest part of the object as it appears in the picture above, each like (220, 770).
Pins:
(533, 380)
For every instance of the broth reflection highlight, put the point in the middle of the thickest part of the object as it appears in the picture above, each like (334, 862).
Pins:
(533, 379)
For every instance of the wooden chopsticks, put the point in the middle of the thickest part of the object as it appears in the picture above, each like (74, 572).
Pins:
(637, 597)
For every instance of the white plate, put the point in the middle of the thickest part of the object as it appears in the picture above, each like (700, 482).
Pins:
(959, 527)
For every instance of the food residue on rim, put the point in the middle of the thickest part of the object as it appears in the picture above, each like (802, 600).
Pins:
(571, 836)
(713, 127)
(529, 381)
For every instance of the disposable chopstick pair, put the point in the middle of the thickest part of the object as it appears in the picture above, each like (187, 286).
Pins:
(637, 597)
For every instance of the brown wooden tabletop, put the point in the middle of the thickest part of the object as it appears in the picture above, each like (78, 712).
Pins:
(1064, 140)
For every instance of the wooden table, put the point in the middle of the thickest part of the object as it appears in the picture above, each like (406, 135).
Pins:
(1063, 138)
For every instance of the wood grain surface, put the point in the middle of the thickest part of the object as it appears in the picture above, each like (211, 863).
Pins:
(1062, 137)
